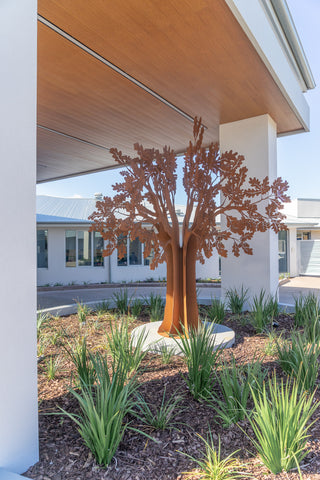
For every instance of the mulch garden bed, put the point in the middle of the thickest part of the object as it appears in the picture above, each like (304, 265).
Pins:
(63, 455)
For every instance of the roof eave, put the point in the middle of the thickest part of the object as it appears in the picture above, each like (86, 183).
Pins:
(286, 22)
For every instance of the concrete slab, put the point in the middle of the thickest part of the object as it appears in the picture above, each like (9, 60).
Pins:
(222, 337)
(6, 475)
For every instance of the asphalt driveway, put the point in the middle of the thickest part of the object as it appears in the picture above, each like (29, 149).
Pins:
(54, 299)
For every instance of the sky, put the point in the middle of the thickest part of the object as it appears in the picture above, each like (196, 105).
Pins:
(298, 155)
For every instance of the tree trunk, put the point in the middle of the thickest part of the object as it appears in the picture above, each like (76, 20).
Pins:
(181, 310)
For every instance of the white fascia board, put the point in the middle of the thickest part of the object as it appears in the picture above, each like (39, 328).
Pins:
(264, 36)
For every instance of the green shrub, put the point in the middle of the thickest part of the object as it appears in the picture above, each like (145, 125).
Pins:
(42, 321)
(216, 311)
(161, 418)
(136, 307)
(306, 309)
(102, 410)
(82, 360)
(201, 358)
(103, 307)
(212, 467)
(167, 353)
(299, 359)
(83, 311)
(280, 421)
(236, 299)
(263, 311)
(122, 349)
(52, 365)
(235, 382)
(155, 307)
(122, 300)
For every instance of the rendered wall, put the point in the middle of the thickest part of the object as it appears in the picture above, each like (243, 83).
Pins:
(18, 353)
(255, 138)
(57, 272)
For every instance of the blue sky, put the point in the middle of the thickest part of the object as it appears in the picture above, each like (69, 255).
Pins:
(298, 155)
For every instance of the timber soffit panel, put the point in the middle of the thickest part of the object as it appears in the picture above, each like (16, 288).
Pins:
(193, 55)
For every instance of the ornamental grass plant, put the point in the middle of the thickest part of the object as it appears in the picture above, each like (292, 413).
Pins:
(236, 299)
(280, 422)
(306, 310)
(163, 417)
(81, 358)
(299, 359)
(263, 311)
(201, 356)
(216, 311)
(212, 467)
(124, 349)
(235, 384)
(103, 407)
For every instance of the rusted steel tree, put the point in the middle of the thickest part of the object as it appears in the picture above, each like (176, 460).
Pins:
(144, 206)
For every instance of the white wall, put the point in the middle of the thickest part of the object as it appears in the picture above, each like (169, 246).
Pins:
(255, 138)
(18, 354)
(57, 272)
(308, 207)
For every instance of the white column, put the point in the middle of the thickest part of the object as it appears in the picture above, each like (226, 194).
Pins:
(18, 361)
(293, 254)
(256, 139)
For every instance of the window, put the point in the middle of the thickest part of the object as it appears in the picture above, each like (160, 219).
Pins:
(303, 235)
(97, 249)
(42, 248)
(84, 249)
(282, 249)
(130, 252)
(71, 248)
(135, 252)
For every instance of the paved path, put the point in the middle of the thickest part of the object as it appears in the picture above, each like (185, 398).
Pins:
(57, 298)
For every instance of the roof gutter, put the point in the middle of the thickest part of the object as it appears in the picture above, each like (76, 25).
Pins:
(285, 19)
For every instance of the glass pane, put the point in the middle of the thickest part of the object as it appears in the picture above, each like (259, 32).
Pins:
(135, 252)
(84, 248)
(70, 248)
(122, 251)
(282, 247)
(42, 248)
(97, 249)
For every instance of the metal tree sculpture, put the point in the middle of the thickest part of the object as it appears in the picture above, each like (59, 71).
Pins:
(144, 207)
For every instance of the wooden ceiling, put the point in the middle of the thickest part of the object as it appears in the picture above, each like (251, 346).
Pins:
(177, 60)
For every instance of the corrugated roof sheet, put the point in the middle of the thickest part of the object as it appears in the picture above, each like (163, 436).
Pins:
(64, 210)
(72, 208)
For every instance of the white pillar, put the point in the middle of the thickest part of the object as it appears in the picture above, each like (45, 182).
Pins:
(18, 361)
(256, 139)
(293, 254)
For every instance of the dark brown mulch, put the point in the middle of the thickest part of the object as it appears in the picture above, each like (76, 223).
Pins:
(63, 455)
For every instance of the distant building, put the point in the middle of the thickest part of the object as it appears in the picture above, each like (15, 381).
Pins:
(68, 253)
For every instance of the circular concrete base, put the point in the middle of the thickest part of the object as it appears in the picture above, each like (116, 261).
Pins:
(155, 343)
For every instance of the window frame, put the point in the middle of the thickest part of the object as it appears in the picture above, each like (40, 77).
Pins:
(92, 265)
(47, 238)
(128, 264)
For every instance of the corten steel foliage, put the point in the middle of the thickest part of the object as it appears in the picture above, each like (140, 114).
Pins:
(144, 206)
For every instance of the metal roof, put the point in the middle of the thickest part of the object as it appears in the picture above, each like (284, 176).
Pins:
(66, 208)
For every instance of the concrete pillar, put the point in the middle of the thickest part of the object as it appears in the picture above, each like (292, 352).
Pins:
(256, 139)
(293, 253)
(18, 360)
